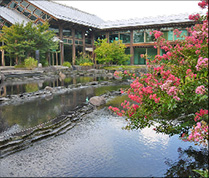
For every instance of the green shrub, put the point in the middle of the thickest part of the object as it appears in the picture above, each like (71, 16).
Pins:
(67, 64)
(30, 63)
(84, 60)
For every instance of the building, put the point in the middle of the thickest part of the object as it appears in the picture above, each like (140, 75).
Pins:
(77, 30)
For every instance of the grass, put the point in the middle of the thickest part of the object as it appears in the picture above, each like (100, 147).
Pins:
(124, 67)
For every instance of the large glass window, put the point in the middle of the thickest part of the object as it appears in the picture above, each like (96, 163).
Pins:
(87, 41)
(99, 35)
(113, 36)
(13, 5)
(67, 33)
(137, 58)
(138, 36)
(20, 9)
(152, 52)
(168, 35)
(32, 17)
(149, 38)
(125, 36)
(31, 8)
(45, 17)
(182, 36)
(56, 30)
(38, 12)
(78, 34)
(24, 3)
(26, 13)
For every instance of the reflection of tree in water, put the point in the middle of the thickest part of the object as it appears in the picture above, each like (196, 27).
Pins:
(189, 159)
(3, 123)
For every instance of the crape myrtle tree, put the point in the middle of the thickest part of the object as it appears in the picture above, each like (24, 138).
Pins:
(21, 41)
(173, 95)
(111, 53)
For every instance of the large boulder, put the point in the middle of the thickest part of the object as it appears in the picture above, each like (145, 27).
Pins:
(97, 100)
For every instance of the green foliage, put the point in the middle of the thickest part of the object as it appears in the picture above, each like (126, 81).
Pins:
(30, 63)
(22, 41)
(203, 173)
(84, 60)
(31, 87)
(111, 53)
(67, 64)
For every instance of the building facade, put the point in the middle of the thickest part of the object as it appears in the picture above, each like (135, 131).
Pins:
(77, 30)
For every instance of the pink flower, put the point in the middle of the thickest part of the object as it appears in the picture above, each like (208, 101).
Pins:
(200, 90)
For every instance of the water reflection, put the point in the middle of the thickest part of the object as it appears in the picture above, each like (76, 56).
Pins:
(39, 111)
(96, 147)
(13, 89)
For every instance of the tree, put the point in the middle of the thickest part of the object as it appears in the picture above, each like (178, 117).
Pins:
(111, 53)
(174, 93)
(21, 41)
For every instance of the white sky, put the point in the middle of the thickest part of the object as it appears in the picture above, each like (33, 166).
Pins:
(117, 10)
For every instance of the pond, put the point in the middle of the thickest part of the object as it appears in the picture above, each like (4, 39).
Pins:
(96, 146)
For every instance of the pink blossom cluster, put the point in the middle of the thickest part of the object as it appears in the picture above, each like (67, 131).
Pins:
(200, 114)
(177, 32)
(200, 90)
(157, 34)
(203, 4)
(190, 74)
(154, 97)
(117, 74)
(194, 17)
(199, 133)
(202, 63)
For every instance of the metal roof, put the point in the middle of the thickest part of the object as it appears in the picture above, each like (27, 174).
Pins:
(67, 13)
(12, 16)
(74, 15)
(146, 21)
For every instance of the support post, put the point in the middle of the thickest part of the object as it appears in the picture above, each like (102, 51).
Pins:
(61, 44)
(2, 56)
(131, 48)
(73, 50)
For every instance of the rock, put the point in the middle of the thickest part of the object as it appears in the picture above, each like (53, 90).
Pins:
(62, 76)
(47, 88)
(109, 75)
(97, 100)
(4, 99)
(93, 83)
(39, 65)
(2, 78)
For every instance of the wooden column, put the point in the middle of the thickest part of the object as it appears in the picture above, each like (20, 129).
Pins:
(131, 48)
(61, 44)
(2, 56)
(73, 47)
(107, 36)
(84, 43)
(158, 50)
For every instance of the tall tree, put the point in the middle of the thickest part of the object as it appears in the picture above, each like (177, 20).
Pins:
(21, 41)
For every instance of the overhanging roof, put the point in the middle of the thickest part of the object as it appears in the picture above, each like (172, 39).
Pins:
(12, 16)
(66, 13)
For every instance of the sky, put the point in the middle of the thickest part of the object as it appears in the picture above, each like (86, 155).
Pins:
(117, 10)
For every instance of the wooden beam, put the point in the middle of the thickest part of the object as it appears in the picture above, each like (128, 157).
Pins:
(2, 56)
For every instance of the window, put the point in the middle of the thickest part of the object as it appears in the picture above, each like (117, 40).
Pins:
(32, 17)
(65, 40)
(24, 3)
(87, 41)
(31, 8)
(70, 41)
(149, 38)
(26, 13)
(45, 17)
(78, 34)
(113, 36)
(99, 36)
(20, 9)
(138, 36)
(13, 5)
(168, 35)
(182, 36)
(38, 12)
(67, 33)
(125, 38)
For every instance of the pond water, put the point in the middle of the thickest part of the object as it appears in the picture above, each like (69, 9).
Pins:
(98, 147)
(32, 86)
